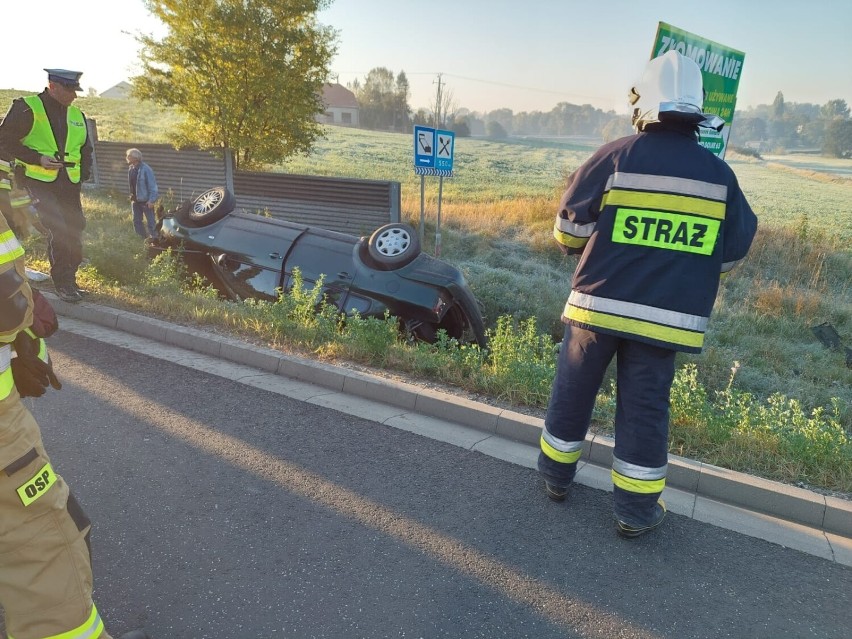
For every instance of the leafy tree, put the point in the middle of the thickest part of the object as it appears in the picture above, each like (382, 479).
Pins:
(747, 129)
(838, 138)
(616, 128)
(502, 117)
(247, 74)
(460, 127)
(402, 118)
(422, 118)
(383, 100)
(834, 109)
(496, 130)
(778, 106)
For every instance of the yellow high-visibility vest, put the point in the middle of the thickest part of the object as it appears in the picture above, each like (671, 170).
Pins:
(41, 139)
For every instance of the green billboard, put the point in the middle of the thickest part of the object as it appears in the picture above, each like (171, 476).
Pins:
(721, 68)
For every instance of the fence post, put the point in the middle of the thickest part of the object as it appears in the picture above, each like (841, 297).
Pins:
(229, 170)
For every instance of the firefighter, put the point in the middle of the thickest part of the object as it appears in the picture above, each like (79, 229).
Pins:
(45, 564)
(657, 219)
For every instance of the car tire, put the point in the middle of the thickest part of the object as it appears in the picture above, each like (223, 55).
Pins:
(393, 246)
(207, 208)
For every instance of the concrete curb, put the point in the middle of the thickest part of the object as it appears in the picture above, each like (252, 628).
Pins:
(828, 514)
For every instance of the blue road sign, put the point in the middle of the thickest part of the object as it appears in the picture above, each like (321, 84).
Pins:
(444, 150)
(424, 147)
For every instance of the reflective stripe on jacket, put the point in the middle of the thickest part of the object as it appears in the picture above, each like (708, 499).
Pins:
(5, 175)
(41, 139)
(16, 304)
(657, 219)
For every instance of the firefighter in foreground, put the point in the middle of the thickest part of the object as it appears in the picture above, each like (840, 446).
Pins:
(45, 565)
(657, 219)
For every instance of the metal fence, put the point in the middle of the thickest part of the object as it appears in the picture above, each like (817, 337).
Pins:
(348, 205)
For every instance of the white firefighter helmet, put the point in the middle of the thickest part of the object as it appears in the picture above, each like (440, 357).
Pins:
(671, 89)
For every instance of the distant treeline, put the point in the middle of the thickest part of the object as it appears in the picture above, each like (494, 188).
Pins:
(383, 104)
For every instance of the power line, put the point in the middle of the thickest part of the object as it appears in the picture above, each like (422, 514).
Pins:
(516, 86)
(497, 83)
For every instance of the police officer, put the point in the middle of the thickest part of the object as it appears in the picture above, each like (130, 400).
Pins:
(45, 565)
(48, 138)
(656, 219)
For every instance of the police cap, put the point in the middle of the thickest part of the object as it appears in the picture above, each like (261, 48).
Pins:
(70, 79)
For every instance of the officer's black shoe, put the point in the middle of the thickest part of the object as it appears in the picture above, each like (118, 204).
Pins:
(135, 634)
(628, 531)
(68, 294)
(556, 493)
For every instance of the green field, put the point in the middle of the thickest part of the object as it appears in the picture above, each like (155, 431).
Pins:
(496, 220)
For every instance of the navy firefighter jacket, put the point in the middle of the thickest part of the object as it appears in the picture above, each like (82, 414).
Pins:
(658, 218)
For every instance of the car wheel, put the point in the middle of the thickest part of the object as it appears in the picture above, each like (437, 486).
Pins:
(393, 246)
(211, 206)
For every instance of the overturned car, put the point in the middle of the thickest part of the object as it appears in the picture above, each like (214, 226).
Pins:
(250, 256)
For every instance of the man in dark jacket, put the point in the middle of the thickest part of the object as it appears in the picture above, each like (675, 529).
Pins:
(657, 219)
(47, 137)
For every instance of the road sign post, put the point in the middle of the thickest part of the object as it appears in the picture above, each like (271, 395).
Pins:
(433, 155)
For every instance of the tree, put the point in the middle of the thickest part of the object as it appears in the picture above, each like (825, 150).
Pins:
(834, 109)
(496, 130)
(460, 127)
(616, 128)
(247, 74)
(402, 119)
(383, 100)
(838, 138)
(747, 129)
(778, 106)
(504, 118)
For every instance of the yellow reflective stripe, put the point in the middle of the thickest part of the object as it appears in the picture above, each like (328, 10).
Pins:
(42, 345)
(5, 166)
(6, 184)
(92, 628)
(558, 455)
(569, 240)
(665, 201)
(663, 230)
(37, 485)
(635, 327)
(20, 200)
(7, 383)
(643, 487)
(10, 247)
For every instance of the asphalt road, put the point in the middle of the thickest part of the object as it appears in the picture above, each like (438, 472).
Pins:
(224, 511)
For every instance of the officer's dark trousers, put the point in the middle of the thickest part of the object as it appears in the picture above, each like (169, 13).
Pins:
(61, 214)
(644, 378)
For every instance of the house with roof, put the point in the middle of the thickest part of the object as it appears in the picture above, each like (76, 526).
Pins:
(120, 91)
(341, 107)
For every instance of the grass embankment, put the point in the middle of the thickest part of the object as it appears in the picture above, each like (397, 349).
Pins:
(783, 413)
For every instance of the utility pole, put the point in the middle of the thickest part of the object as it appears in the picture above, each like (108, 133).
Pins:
(438, 101)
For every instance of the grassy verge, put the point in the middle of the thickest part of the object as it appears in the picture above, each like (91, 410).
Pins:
(773, 435)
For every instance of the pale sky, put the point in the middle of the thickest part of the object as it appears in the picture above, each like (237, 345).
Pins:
(491, 53)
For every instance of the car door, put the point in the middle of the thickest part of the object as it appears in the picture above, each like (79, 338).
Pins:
(249, 252)
(317, 253)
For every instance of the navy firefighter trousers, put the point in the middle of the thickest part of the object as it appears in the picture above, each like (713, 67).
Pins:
(643, 383)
